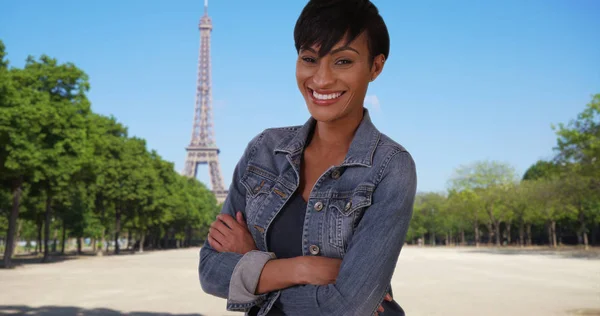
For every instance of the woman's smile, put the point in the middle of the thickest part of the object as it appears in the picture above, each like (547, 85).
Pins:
(324, 98)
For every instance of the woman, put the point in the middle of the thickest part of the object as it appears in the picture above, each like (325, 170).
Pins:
(317, 214)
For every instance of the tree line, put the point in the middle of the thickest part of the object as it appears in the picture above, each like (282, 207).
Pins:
(556, 201)
(67, 172)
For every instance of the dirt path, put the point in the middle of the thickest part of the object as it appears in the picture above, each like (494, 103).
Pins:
(427, 282)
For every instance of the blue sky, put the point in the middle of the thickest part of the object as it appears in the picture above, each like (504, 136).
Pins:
(465, 81)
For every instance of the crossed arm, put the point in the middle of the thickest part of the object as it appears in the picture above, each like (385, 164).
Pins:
(227, 234)
(365, 271)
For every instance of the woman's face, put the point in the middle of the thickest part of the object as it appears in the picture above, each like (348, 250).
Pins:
(335, 85)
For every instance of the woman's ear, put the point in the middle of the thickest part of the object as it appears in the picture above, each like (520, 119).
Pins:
(377, 67)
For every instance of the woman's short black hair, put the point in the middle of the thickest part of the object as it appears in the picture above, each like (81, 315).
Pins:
(326, 22)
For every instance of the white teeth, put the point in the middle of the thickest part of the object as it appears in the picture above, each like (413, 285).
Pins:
(326, 96)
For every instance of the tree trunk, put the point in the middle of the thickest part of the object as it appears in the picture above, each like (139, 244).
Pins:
(583, 230)
(508, 239)
(40, 225)
(142, 239)
(432, 237)
(521, 234)
(64, 237)
(79, 245)
(549, 228)
(497, 232)
(462, 237)
(54, 241)
(476, 235)
(47, 226)
(166, 239)
(94, 244)
(117, 229)
(490, 233)
(128, 238)
(529, 243)
(553, 229)
(447, 239)
(594, 233)
(187, 236)
(18, 235)
(12, 223)
(102, 236)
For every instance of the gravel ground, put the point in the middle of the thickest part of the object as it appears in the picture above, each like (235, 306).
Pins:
(428, 281)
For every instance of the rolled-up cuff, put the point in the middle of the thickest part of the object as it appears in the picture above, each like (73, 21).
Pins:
(244, 281)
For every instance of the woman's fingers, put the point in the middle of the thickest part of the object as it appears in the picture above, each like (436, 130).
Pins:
(215, 244)
(228, 220)
(221, 227)
(217, 235)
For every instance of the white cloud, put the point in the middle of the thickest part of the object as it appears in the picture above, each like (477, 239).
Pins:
(372, 101)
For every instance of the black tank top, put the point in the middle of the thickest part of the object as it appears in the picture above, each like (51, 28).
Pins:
(284, 237)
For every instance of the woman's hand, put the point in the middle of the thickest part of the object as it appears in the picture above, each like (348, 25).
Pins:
(380, 309)
(227, 234)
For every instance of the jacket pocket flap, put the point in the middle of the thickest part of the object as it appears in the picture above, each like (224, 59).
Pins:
(348, 203)
(257, 181)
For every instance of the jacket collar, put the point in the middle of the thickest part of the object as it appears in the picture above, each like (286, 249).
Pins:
(361, 149)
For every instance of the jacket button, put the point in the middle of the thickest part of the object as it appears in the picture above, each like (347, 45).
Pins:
(348, 205)
(336, 174)
(314, 250)
(318, 206)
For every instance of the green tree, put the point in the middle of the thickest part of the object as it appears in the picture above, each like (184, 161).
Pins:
(487, 179)
(106, 136)
(62, 142)
(467, 206)
(580, 200)
(542, 170)
(21, 114)
(430, 207)
(579, 140)
(578, 150)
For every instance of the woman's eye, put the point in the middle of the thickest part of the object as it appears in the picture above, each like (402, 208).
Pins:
(308, 60)
(343, 62)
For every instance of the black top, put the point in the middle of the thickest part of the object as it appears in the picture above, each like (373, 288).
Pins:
(284, 237)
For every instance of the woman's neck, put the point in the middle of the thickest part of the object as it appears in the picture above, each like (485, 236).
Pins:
(336, 136)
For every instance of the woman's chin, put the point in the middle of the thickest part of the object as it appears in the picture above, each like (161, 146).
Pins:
(324, 114)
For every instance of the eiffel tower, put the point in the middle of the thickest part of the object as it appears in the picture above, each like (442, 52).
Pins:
(203, 148)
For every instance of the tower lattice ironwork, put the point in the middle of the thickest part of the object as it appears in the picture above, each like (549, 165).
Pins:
(203, 148)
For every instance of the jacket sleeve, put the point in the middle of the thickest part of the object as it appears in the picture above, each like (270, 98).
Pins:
(230, 275)
(373, 252)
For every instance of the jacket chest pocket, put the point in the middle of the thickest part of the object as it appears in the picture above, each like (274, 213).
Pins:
(343, 215)
(259, 185)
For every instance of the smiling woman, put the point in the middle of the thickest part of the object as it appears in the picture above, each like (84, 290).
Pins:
(317, 214)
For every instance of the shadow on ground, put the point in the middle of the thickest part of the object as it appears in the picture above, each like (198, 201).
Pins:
(36, 258)
(592, 254)
(75, 311)
(585, 312)
(21, 260)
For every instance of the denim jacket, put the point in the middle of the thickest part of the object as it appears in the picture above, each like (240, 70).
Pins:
(358, 211)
